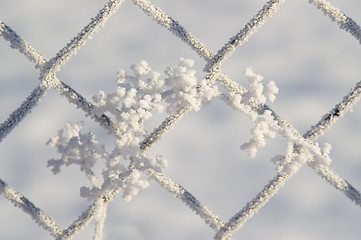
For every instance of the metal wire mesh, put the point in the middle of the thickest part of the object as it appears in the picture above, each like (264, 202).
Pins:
(223, 228)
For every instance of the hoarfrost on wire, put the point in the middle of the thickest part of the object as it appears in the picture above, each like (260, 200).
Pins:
(257, 94)
(139, 95)
(136, 98)
(266, 127)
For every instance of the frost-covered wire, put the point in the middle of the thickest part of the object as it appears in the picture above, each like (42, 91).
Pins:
(289, 164)
(185, 94)
(214, 73)
(135, 97)
(35, 96)
(164, 127)
(305, 141)
(256, 95)
(339, 183)
(41, 218)
(237, 221)
(345, 22)
(21, 112)
(336, 113)
(47, 72)
(80, 223)
(251, 27)
(178, 191)
(173, 26)
(88, 215)
(81, 102)
(326, 121)
(292, 162)
(84, 35)
(23, 46)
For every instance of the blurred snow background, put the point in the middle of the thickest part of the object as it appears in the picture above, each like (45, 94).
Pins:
(313, 62)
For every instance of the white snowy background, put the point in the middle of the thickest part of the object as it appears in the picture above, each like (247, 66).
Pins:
(313, 62)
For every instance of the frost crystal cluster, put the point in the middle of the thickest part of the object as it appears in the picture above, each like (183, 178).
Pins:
(257, 94)
(136, 98)
(267, 127)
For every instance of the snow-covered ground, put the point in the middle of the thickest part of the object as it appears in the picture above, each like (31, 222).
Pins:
(313, 62)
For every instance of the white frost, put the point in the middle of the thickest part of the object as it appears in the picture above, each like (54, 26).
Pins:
(134, 101)
(265, 125)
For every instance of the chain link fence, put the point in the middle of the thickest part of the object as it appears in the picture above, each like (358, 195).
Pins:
(297, 150)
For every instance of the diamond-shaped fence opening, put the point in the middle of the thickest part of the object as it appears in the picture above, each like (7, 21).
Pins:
(201, 184)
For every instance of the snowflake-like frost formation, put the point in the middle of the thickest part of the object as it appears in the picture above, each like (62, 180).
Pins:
(257, 94)
(135, 99)
(267, 127)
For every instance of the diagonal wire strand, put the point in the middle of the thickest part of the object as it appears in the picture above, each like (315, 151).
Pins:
(84, 35)
(28, 207)
(81, 222)
(240, 38)
(23, 46)
(180, 192)
(21, 112)
(345, 22)
(174, 27)
(237, 221)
